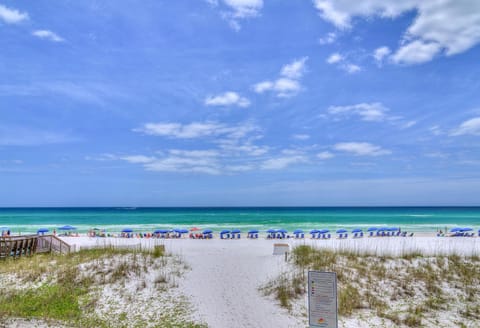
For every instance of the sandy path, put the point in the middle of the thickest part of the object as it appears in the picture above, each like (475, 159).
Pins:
(224, 280)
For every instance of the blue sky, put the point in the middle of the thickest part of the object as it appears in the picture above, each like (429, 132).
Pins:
(239, 102)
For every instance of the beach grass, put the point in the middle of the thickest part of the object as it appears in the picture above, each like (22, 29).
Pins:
(67, 289)
(410, 289)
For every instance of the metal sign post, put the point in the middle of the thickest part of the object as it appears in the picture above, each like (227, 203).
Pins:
(322, 299)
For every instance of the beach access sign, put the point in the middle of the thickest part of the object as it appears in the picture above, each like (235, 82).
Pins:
(322, 299)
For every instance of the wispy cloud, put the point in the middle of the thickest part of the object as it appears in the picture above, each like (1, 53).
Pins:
(287, 85)
(366, 111)
(228, 98)
(427, 36)
(301, 136)
(279, 163)
(14, 135)
(12, 16)
(329, 38)
(342, 63)
(47, 35)
(325, 155)
(233, 11)
(361, 149)
(469, 127)
(380, 54)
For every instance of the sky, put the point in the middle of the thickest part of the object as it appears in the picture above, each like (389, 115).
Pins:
(239, 103)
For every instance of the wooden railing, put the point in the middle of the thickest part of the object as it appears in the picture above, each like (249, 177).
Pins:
(51, 243)
(26, 245)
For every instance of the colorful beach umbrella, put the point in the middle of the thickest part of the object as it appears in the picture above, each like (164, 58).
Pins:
(195, 229)
(67, 227)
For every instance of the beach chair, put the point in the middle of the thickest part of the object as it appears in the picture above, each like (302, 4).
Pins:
(411, 235)
(361, 234)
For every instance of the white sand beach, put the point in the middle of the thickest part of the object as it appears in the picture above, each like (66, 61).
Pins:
(225, 275)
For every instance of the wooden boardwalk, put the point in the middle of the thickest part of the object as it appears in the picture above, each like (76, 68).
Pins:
(27, 245)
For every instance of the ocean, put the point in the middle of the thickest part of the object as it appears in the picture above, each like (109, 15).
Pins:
(418, 219)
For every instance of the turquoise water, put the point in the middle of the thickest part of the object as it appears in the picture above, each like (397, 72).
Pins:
(26, 220)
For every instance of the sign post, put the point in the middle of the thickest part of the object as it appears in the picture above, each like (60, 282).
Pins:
(322, 299)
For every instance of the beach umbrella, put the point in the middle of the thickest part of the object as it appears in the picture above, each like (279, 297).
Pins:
(314, 231)
(342, 230)
(271, 230)
(324, 231)
(161, 231)
(372, 229)
(456, 229)
(392, 229)
(127, 230)
(356, 230)
(466, 229)
(236, 231)
(224, 231)
(67, 227)
(253, 231)
(206, 231)
(183, 231)
(195, 229)
(295, 232)
(282, 231)
(42, 230)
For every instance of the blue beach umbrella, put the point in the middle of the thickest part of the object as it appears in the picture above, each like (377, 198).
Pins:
(127, 230)
(324, 231)
(456, 229)
(297, 231)
(271, 230)
(356, 230)
(342, 230)
(466, 229)
(161, 231)
(393, 229)
(41, 230)
(372, 229)
(253, 231)
(207, 231)
(282, 231)
(236, 231)
(67, 227)
(224, 231)
(314, 231)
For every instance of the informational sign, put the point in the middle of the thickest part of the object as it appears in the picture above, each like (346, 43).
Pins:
(322, 299)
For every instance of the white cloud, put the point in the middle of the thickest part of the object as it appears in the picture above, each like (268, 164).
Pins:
(328, 39)
(381, 53)
(47, 35)
(471, 126)
(11, 16)
(337, 58)
(334, 58)
(301, 136)
(138, 159)
(235, 10)
(295, 69)
(187, 131)
(287, 85)
(361, 149)
(351, 68)
(436, 130)
(228, 98)
(366, 111)
(427, 36)
(282, 162)
(416, 52)
(325, 155)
